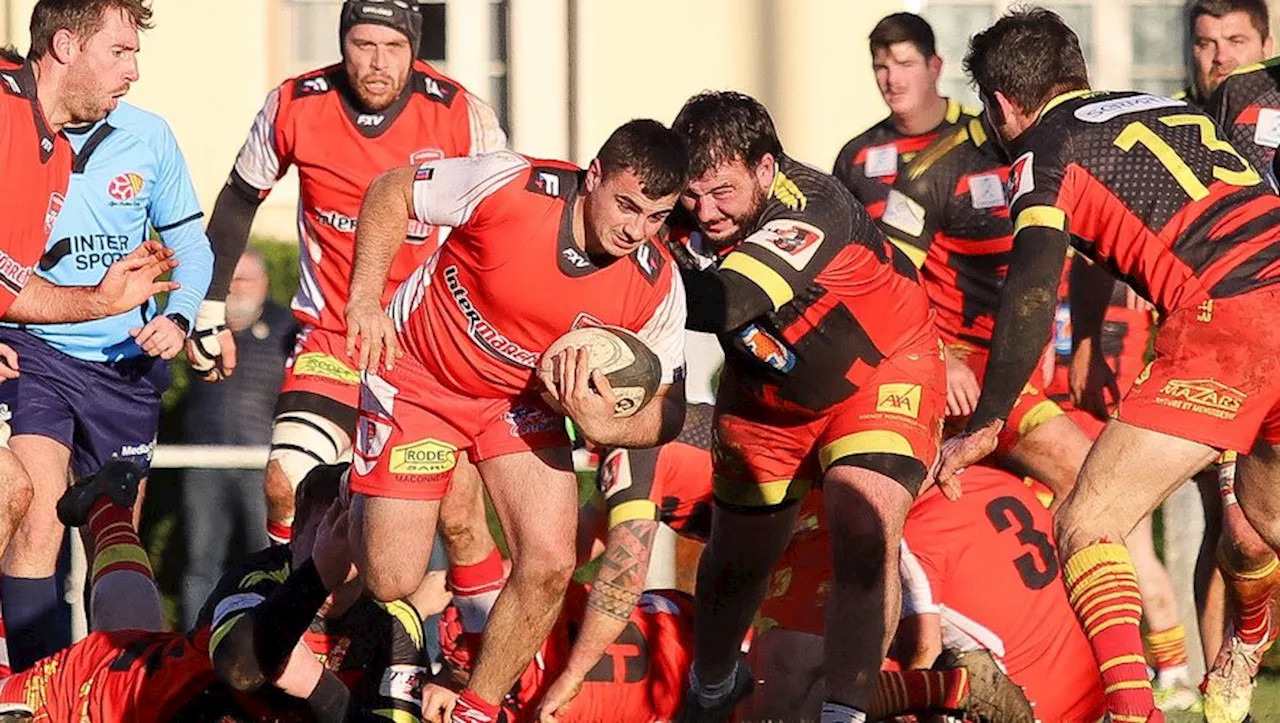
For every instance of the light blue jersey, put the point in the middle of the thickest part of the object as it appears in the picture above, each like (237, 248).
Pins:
(129, 176)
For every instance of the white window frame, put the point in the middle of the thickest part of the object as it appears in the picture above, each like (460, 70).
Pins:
(1111, 66)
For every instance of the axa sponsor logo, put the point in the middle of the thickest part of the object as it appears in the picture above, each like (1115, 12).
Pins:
(901, 399)
(335, 220)
(482, 331)
(1202, 396)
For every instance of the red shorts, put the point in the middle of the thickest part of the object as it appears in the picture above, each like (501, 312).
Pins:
(893, 424)
(800, 584)
(1032, 408)
(412, 427)
(1216, 374)
(320, 365)
(113, 676)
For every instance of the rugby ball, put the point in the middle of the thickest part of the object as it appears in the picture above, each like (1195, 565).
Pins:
(631, 367)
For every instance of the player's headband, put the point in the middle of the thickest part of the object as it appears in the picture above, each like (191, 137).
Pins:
(399, 15)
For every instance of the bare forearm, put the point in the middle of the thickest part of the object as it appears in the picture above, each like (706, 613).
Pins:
(380, 231)
(614, 594)
(301, 673)
(44, 303)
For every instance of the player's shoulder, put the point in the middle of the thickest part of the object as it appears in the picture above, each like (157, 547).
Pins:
(881, 132)
(436, 87)
(803, 193)
(16, 79)
(1266, 73)
(1246, 85)
(317, 83)
(143, 124)
(960, 150)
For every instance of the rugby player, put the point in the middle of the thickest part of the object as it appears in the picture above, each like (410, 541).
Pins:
(1224, 35)
(833, 372)
(340, 126)
(1195, 237)
(82, 59)
(907, 67)
(648, 495)
(287, 632)
(474, 322)
(978, 575)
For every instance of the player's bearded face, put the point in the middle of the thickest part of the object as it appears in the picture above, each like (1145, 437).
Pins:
(377, 61)
(617, 216)
(906, 78)
(102, 69)
(728, 199)
(1220, 45)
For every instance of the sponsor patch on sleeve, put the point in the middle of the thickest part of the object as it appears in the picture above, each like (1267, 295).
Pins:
(1021, 177)
(792, 241)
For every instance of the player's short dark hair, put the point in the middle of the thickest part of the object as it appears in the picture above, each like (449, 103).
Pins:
(1259, 15)
(904, 28)
(1030, 55)
(650, 150)
(724, 126)
(317, 490)
(82, 17)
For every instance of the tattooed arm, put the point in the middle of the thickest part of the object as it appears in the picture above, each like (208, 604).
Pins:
(614, 595)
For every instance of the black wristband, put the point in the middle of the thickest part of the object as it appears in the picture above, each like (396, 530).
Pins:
(183, 322)
(329, 700)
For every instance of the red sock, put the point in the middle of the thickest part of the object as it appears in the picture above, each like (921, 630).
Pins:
(900, 692)
(475, 588)
(1168, 647)
(1103, 590)
(279, 533)
(115, 541)
(1252, 590)
(471, 708)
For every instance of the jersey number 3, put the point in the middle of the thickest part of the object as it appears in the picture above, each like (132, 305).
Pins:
(1138, 132)
(1005, 512)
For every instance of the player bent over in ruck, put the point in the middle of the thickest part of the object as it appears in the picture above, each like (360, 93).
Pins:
(1146, 189)
(833, 373)
(538, 248)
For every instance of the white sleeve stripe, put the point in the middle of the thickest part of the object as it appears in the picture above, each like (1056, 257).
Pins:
(453, 188)
(486, 132)
(257, 162)
(664, 331)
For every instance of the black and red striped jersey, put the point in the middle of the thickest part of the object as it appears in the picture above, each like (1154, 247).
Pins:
(869, 164)
(1247, 106)
(840, 297)
(1145, 186)
(947, 212)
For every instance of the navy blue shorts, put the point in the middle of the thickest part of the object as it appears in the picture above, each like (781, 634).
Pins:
(98, 410)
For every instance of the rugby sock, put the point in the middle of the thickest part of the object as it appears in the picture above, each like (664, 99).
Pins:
(1103, 590)
(32, 615)
(475, 588)
(1252, 590)
(471, 708)
(916, 691)
(841, 713)
(1168, 647)
(279, 533)
(115, 541)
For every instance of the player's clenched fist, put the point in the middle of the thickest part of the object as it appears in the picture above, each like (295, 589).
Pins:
(370, 331)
